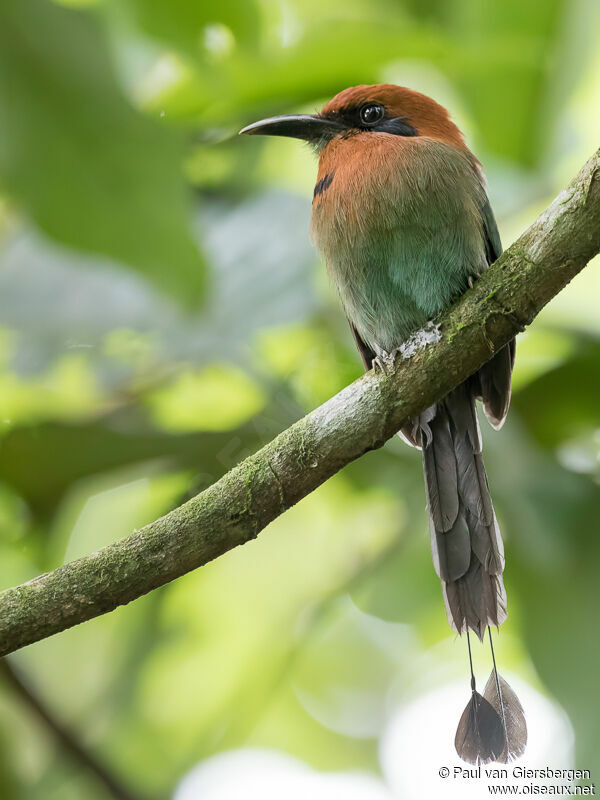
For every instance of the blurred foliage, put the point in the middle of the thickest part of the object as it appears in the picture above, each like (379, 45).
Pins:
(90, 170)
(125, 200)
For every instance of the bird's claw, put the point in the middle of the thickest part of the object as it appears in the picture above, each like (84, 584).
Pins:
(378, 363)
(386, 361)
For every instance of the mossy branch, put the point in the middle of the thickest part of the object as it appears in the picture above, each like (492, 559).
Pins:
(360, 418)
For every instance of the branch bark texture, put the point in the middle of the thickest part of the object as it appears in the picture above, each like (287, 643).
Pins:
(360, 418)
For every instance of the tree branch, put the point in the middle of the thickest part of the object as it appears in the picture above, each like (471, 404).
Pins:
(360, 418)
(69, 741)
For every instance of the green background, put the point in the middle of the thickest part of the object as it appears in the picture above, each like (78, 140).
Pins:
(162, 314)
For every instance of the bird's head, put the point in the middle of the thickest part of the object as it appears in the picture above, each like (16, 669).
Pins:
(373, 110)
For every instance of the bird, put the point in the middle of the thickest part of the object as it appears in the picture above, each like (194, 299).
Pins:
(402, 219)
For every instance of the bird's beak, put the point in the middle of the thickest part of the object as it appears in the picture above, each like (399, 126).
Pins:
(311, 128)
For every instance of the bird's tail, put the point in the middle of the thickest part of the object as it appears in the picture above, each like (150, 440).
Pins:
(465, 539)
(469, 558)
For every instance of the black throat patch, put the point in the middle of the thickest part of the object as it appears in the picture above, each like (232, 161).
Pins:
(323, 184)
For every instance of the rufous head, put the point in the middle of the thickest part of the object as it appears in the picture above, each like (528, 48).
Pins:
(380, 109)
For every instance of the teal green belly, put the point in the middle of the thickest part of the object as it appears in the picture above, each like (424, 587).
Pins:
(392, 285)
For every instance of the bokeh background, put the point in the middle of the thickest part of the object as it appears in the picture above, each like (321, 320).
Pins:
(162, 314)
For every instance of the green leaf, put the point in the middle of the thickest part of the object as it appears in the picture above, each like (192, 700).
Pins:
(189, 24)
(89, 169)
(29, 463)
(563, 403)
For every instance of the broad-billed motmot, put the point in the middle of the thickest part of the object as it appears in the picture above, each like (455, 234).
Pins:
(402, 218)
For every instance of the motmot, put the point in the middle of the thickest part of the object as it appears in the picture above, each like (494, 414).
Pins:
(402, 219)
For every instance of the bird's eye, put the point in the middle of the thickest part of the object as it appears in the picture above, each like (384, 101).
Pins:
(371, 114)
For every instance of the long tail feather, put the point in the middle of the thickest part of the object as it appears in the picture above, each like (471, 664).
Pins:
(466, 543)
(480, 734)
(505, 702)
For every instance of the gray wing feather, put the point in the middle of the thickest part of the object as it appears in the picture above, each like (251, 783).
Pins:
(492, 384)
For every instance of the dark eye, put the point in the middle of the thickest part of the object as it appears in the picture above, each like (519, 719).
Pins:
(371, 113)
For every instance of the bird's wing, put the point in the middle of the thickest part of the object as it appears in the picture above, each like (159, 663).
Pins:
(492, 384)
(493, 245)
(365, 351)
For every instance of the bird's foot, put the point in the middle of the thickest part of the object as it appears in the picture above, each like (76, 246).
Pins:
(379, 363)
(385, 361)
(428, 334)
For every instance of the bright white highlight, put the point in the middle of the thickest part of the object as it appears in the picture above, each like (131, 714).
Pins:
(255, 774)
